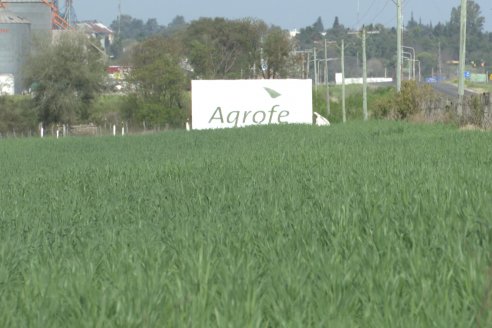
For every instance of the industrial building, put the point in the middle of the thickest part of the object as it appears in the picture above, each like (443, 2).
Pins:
(37, 12)
(15, 45)
(20, 21)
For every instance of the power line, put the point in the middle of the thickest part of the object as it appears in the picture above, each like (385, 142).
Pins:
(405, 6)
(392, 19)
(359, 20)
(381, 11)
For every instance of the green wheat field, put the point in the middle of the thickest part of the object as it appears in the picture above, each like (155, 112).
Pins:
(380, 224)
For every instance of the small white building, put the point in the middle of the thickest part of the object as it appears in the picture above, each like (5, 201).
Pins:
(293, 33)
(360, 80)
(7, 85)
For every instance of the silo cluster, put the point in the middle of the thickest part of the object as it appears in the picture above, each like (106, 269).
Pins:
(20, 21)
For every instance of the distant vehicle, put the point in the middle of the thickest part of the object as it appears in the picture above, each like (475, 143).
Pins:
(431, 79)
(434, 79)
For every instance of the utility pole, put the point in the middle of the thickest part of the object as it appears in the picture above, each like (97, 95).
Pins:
(461, 71)
(364, 69)
(344, 114)
(439, 60)
(326, 79)
(308, 63)
(119, 18)
(364, 75)
(315, 70)
(328, 108)
(399, 44)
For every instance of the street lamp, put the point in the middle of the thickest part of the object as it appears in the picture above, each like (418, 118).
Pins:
(410, 61)
(414, 58)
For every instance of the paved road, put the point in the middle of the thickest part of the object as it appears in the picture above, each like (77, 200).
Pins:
(449, 90)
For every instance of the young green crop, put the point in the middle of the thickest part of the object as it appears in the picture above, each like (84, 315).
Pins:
(382, 224)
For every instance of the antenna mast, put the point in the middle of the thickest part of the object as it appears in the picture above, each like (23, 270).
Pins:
(119, 17)
(68, 13)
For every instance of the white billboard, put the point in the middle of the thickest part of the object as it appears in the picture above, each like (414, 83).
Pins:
(220, 104)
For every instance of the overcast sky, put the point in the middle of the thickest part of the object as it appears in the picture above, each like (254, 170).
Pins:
(288, 14)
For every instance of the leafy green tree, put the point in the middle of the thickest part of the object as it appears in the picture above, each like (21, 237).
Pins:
(160, 83)
(128, 30)
(221, 48)
(128, 27)
(337, 32)
(152, 27)
(474, 28)
(65, 75)
(428, 62)
(382, 45)
(176, 25)
(17, 115)
(336, 23)
(307, 37)
(318, 25)
(412, 23)
(474, 21)
(277, 48)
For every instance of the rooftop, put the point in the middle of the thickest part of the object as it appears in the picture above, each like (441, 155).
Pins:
(8, 17)
(94, 27)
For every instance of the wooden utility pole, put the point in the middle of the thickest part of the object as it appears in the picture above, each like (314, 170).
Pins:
(344, 115)
(461, 70)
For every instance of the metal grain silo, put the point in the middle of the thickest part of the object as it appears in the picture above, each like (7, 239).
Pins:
(15, 45)
(37, 12)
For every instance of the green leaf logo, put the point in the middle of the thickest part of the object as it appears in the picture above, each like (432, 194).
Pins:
(272, 93)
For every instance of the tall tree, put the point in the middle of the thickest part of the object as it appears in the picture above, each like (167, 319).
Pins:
(128, 27)
(474, 21)
(220, 48)
(474, 27)
(336, 23)
(277, 48)
(152, 27)
(177, 24)
(160, 82)
(318, 25)
(65, 76)
(337, 32)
